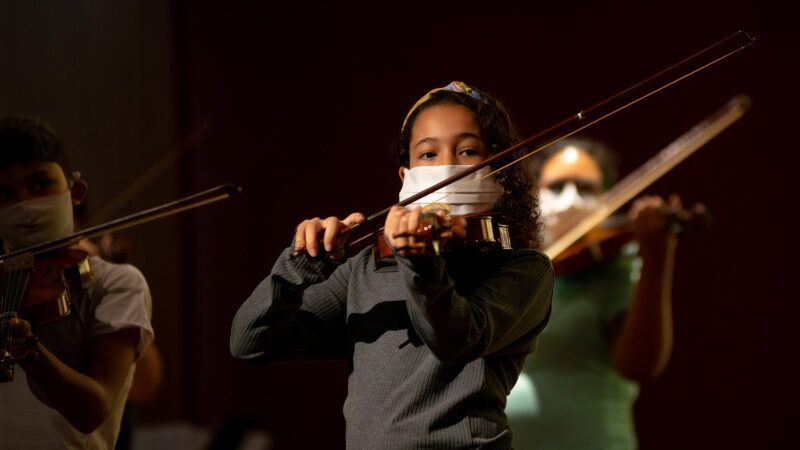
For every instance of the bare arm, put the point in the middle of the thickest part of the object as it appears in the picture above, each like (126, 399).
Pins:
(147, 377)
(644, 344)
(84, 399)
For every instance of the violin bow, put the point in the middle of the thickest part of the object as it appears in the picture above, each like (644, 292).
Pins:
(164, 162)
(212, 195)
(585, 118)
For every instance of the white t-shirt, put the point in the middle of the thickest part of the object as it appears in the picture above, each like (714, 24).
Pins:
(116, 297)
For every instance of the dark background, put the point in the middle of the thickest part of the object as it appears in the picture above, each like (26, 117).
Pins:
(298, 106)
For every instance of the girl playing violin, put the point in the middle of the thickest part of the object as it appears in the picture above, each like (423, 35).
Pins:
(76, 370)
(612, 321)
(435, 340)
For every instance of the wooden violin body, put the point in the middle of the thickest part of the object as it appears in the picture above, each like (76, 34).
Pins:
(598, 245)
(39, 290)
(607, 240)
(483, 232)
(55, 280)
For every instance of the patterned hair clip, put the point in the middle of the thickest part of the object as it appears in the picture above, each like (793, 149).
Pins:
(455, 86)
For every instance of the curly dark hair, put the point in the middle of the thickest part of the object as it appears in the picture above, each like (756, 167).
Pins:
(519, 208)
(25, 139)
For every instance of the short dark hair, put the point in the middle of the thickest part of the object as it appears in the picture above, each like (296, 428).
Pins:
(26, 139)
(518, 207)
(606, 158)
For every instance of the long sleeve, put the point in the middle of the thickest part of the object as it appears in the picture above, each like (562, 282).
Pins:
(297, 312)
(508, 304)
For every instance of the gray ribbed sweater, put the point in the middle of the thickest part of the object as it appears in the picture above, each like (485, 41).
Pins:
(435, 343)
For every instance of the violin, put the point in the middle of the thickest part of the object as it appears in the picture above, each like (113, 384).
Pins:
(55, 279)
(442, 233)
(600, 244)
(607, 240)
(49, 285)
(37, 283)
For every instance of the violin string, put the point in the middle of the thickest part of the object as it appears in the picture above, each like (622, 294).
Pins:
(5, 280)
(17, 283)
(3, 301)
(10, 279)
(8, 308)
(23, 275)
(22, 283)
(9, 291)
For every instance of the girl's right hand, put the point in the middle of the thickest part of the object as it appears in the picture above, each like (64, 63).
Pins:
(307, 236)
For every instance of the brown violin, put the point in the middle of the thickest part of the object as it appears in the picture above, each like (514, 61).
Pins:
(48, 286)
(54, 280)
(442, 233)
(606, 241)
(601, 243)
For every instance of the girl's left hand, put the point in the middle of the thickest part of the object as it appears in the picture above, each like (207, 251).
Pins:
(403, 230)
(400, 231)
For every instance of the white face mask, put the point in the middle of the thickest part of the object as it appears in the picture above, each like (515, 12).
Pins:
(469, 195)
(37, 220)
(553, 205)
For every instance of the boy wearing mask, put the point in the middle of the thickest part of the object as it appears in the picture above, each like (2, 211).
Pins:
(71, 393)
